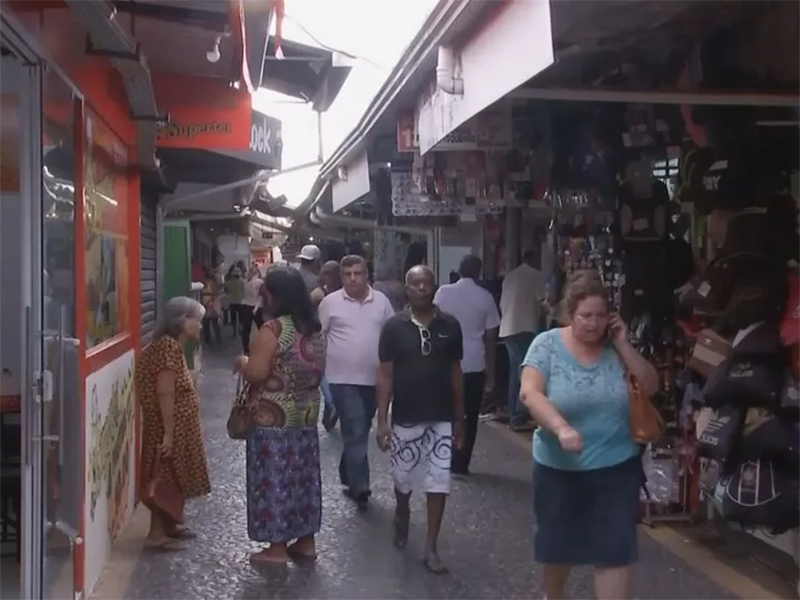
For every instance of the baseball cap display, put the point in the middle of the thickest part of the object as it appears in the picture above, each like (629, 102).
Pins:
(310, 252)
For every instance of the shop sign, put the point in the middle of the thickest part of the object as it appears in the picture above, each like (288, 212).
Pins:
(189, 131)
(490, 129)
(263, 136)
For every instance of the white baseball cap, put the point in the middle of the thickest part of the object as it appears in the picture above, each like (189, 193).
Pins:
(310, 252)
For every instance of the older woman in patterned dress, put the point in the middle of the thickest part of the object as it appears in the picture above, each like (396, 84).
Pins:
(171, 417)
(287, 356)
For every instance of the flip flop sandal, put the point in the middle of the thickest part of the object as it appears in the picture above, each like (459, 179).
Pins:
(182, 533)
(435, 566)
(165, 546)
(401, 525)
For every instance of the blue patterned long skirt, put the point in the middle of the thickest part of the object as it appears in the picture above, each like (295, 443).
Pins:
(284, 490)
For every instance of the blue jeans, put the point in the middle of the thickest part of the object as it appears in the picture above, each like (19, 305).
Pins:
(516, 346)
(355, 405)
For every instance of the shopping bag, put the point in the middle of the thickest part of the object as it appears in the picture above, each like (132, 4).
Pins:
(163, 492)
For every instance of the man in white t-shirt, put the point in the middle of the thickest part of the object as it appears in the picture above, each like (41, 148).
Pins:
(520, 307)
(476, 312)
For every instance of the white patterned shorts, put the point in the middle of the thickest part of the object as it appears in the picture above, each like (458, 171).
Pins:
(420, 457)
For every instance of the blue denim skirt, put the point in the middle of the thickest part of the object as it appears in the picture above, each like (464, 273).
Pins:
(587, 517)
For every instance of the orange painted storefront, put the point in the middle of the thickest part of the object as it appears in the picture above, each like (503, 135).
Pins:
(107, 233)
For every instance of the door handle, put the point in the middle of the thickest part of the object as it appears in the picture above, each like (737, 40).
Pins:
(75, 539)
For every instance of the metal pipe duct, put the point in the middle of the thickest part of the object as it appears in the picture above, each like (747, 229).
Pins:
(323, 219)
(112, 40)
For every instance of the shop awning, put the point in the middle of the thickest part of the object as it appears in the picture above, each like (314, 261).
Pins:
(604, 50)
(205, 114)
(312, 74)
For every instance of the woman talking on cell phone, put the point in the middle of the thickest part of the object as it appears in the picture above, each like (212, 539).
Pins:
(587, 470)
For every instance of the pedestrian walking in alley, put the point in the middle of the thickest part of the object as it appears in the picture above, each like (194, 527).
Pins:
(310, 259)
(250, 303)
(587, 469)
(351, 320)
(476, 312)
(234, 290)
(420, 375)
(172, 442)
(212, 301)
(520, 309)
(284, 490)
(330, 280)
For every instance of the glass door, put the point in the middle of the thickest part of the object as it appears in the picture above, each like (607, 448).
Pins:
(61, 414)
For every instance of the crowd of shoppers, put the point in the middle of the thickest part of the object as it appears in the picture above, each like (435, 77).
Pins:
(424, 369)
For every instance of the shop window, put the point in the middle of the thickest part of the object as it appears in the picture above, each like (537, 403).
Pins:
(106, 203)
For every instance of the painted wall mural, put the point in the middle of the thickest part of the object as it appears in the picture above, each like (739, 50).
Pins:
(110, 458)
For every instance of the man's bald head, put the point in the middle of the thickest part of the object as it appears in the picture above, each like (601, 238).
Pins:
(420, 271)
(420, 283)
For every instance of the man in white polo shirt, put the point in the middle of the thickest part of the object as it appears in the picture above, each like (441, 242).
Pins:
(520, 307)
(352, 319)
(477, 314)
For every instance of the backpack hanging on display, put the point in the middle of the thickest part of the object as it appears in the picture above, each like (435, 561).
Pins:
(643, 214)
(646, 290)
(761, 494)
(768, 435)
(745, 381)
(718, 440)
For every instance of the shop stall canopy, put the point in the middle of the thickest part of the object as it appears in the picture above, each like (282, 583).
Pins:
(625, 52)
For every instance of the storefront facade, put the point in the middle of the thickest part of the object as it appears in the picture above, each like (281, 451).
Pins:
(79, 272)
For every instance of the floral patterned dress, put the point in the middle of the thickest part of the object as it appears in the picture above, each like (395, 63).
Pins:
(284, 490)
(188, 453)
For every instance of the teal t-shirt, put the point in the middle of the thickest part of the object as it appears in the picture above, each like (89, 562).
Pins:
(593, 400)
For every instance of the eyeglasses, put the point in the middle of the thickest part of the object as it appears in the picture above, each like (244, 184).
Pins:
(424, 341)
(589, 317)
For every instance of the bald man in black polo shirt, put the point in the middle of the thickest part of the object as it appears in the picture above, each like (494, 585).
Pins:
(420, 374)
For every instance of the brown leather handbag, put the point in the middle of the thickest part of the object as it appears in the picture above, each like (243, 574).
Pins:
(163, 492)
(647, 426)
(241, 418)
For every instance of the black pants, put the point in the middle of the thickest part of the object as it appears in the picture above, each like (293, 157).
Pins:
(245, 317)
(210, 323)
(473, 395)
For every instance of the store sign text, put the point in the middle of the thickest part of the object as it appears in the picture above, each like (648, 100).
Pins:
(192, 130)
(261, 138)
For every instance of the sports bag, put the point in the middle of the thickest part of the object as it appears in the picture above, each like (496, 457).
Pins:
(720, 436)
(761, 494)
(745, 381)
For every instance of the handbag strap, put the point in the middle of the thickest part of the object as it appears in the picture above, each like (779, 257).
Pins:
(242, 389)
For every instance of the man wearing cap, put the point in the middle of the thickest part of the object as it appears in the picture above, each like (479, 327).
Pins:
(310, 262)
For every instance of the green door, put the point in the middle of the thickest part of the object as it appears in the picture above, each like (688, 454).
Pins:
(176, 268)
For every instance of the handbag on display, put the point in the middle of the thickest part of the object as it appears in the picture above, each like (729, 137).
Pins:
(163, 492)
(761, 494)
(241, 418)
(647, 425)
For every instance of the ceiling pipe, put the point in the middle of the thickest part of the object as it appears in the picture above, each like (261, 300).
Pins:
(446, 79)
(106, 37)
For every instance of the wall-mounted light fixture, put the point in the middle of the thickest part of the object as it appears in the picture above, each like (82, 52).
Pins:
(213, 55)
